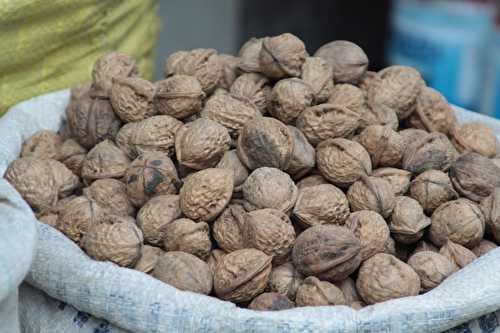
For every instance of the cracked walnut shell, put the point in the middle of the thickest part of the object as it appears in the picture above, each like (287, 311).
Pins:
(289, 98)
(313, 292)
(372, 193)
(282, 56)
(372, 231)
(43, 144)
(178, 96)
(432, 268)
(106, 68)
(431, 189)
(188, 236)
(132, 98)
(155, 215)
(475, 137)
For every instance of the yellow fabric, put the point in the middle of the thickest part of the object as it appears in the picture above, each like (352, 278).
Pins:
(47, 45)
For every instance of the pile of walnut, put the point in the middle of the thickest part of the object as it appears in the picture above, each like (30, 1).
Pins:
(272, 179)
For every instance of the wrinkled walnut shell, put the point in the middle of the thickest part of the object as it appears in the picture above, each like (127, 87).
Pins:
(179, 96)
(105, 160)
(475, 137)
(432, 268)
(372, 193)
(43, 144)
(255, 88)
(271, 302)
(312, 180)
(228, 228)
(230, 161)
(282, 56)
(132, 98)
(107, 67)
(484, 247)
(458, 254)
(398, 178)
(491, 210)
(303, 156)
(384, 145)
(431, 189)
(314, 292)
(285, 280)
(149, 257)
(372, 231)
(249, 54)
(290, 97)
(318, 73)
(110, 194)
(188, 236)
(155, 215)
(408, 220)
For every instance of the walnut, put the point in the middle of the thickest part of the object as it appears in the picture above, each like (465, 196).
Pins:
(434, 151)
(213, 260)
(78, 216)
(289, 98)
(229, 70)
(460, 221)
(410, 135)
(43, 144)
(155, 215)
(431, 189)
(241, 275)
(348, 288)
(372, 231)
(188, 236)
(318, 73)
(384, 145)
(285, 280)
(353, 98)
(365, 80)
(92, 120)
(423, 245)
(474, 176)
(132, 98)
(271, 302)
(303, 156)
(106, 68)
(275, 144)
(348, 60)
(432, 112)
(270, 231)
(228, 228)
(110, 194)
(384, 277)
(206, 193)
(312, 180)
(203, 64)
(269, 188)
(105, 160)
(49, 219)
(149, 175)
(66, 181)
(432, 268)
(178, 96)
(326, 121)
(456, 253)
(255, 88)
(390, 247)
(321, 204)
(475, 137)
(408, 221)
(120, 243)
(156, 133)
(71, 154)
(230, 111)
(249, 55)
(395, 88)
(328, 252)
(484, 247)
(147, 260)
(184, 271)
(282, 56)
(201, 144)
(313, 292)
(372, 193)
(399, 179)
(342, 161)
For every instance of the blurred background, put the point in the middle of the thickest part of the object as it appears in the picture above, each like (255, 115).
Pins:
(455, 43)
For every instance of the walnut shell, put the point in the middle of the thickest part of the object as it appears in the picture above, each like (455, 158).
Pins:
(228, 228)
(206, 193)
(285, 280)
(149, 175)
(390, 247)
(395, 88)
(327, 121)
(328, 252)
(399, 179)
(201, 144)
(72, 155)
(43, 144)
(342, 161)
(290, 97)
(178, 96)
(384, 277)
(476, 138)
(77, 216)
(213, 260)
(484, 247)
(147, 260)
(434, 151)
(111, 194)
(105, 160)
(269, 188)
(107, 67)
(230, 161)
(229, 70)
(66, 181)
(267, 142)
(432, 268)
(474, 176)
(410, 135)
(120, 243)
(269, 231)
(460, 221)
(348, 288)
(271, 302)
(255, 88)
(313, 292)
(188, 236)
(249, 55)
(372, 193)
(456, 253)
(353, 98)
(432, 113)
(49, 219)
(156, 133)
(184, 271)
(203, 64)
(241, 275)
(312, 180)
(423, 245)
(132, 98)
(282, 56)
(365, 80)
(431, 189)
(318, 73)
(348, 60)
(303, 156)
(34, 181)
(408, 220)
(232, 112)
(384, 145)
(372, 231)
(321, 204)
(155, 215)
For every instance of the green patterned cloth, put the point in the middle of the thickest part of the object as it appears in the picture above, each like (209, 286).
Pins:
(51, 45)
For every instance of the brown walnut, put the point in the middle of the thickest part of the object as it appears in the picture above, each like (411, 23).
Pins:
(431, 189)
(71, 154)
(178, 96)
(458, 254)
(230, 161)
(348, 287)
(43, 144)
(398, 178)
(249, 54)
(490, 207)
(105, 160)
(255, 88)
(111, 194)
(313, 292)
(432, 268)
(155, 215)
(408, 221)
(149, 257)
(303, 156)
(106, 68)
(188, 236)
(282, 56)
(384, 145)
(285, 280)
(372, 231)
(311, 180)
(290, 97)
(484, 247)
(476, 138)
(372, 193)
(132, 98)
(228, 228)
(318, 73)
(271, 302)
(229, 70)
